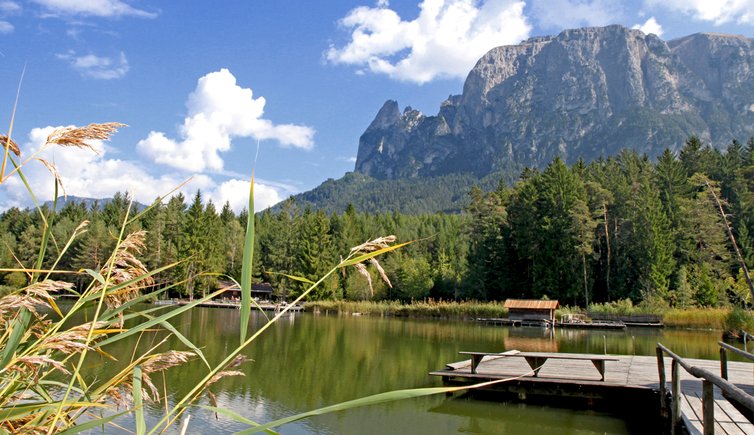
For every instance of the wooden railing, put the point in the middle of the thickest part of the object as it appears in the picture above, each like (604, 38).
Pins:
(709, 381)
(724, 349)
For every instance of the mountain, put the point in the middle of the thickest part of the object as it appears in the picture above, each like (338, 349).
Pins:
(584, 93)
(446, 194)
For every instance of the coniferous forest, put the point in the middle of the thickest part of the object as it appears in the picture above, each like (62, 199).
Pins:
(615, 228)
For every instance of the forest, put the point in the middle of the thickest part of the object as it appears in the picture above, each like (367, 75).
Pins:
(615, 228)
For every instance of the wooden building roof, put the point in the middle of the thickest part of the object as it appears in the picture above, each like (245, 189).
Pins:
(531, 304)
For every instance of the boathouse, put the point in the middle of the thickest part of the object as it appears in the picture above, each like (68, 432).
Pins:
(260, 291)
(531, 310)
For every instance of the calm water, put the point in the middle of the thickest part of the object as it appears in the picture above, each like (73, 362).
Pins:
(309, 361)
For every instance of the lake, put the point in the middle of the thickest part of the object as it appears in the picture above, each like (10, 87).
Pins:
(308, 361)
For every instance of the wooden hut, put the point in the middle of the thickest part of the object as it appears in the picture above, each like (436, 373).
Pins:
(260, 291)
(531, 310)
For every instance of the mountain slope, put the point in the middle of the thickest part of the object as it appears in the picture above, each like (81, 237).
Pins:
(584, 93)
(446, 194)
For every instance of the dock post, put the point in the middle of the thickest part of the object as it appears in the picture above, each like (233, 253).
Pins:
(675, 389)
(724, 363)
(663, 390)
(708, 407)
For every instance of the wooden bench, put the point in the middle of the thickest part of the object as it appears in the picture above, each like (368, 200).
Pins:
(537, 359)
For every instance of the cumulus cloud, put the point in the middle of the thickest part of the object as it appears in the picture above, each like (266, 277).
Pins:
(236, 193)
(6, 27)
(650, 26)
(559, 14)
(718, 12)
(95, 175)
(87, 174)
(445, 40)
(95, 8)
(218, 111)
(96, 67)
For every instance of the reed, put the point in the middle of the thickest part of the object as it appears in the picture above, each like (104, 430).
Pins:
(428, 308)
(38, 341)
(696, 318)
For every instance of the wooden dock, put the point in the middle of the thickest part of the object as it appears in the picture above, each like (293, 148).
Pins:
(626, 377)
(266, 306)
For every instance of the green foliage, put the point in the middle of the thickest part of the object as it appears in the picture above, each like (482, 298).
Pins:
(413, 279)
(698, 318)
(739, 319)
(443, 194)
(623, 307)
(425, 308)
(616, 228)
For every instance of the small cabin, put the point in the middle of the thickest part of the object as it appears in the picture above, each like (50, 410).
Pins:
(259, 291)
(531, 309)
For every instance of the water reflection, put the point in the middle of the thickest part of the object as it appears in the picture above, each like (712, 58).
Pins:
(306, 362)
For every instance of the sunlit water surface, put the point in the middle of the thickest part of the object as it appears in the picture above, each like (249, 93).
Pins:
(309, 361)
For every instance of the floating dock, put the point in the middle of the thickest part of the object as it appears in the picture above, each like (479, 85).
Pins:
(626, 379)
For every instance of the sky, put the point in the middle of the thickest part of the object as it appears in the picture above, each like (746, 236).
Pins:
(210, 91)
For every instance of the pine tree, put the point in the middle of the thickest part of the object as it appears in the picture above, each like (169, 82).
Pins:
(486, 259)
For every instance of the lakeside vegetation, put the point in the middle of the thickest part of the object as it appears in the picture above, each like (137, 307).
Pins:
(479, 253)
(691, 318)
(613, 229)
(46, 383)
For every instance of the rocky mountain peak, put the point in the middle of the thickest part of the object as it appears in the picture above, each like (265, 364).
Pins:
(585, 92)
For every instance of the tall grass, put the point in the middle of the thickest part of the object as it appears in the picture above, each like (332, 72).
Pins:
(426, 308)
(39, 342)
(697, 318)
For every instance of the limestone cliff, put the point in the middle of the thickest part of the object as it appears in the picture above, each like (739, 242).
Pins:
(586, 92)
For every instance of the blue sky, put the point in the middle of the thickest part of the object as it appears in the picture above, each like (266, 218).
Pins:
(201, 83)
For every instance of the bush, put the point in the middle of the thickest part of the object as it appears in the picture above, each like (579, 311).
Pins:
(737, 320)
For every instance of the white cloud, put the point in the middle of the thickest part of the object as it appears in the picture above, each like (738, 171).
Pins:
(719, 12)
(650, 26)
(6, 27)
(9, 8)
(88, 174)
(218, 111)
(94, 175)
(96, 67)
(236, 193)
(96, 8)
(445, 40)
(560, 14)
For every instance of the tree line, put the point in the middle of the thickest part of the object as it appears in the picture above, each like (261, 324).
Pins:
(615, 228)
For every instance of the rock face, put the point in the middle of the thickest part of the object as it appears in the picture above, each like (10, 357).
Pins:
(584, 93)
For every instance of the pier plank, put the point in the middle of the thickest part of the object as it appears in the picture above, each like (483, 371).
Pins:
(621, 371)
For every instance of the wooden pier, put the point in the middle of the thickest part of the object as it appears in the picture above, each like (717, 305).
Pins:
(266, 306)
(632, 380)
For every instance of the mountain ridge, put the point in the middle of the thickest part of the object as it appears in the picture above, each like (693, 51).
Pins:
(584, 93)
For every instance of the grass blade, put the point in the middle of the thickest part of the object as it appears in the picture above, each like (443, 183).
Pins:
(235, 417)
(248, 260)
(93, 424)
(369, 400)
(364, 257)
(141, 425)
(18, 328)
(18, 411)
(157, 320)
(184, 340)
(293, 277)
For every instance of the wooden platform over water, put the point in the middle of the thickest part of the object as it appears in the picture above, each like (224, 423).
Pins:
(266, 306)
(630, 377)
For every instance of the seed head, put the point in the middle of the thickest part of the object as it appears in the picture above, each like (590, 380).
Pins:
(6, 142)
